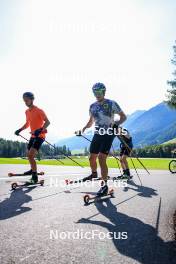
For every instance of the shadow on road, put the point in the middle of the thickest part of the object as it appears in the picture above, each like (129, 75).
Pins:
(143, 243)
(13, 205)
(143, 191)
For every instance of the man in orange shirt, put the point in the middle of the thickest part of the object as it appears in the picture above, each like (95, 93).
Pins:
(37, 120)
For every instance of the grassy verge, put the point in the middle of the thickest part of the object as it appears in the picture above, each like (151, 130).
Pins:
(153, 164)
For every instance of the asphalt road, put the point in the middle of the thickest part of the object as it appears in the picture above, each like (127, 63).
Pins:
(37, 224)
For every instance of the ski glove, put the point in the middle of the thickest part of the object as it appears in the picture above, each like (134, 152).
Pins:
(78, 133)
(17, 132)
(115, 125)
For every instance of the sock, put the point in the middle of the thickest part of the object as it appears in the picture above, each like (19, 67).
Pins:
(128, 172)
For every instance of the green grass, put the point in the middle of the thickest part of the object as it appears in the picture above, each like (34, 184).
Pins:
(112, 163)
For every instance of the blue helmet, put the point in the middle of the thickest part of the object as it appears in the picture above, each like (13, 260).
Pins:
(29, 95)
(99, 88)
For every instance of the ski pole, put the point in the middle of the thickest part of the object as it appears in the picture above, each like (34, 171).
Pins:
(65, 154)
(24, 138)
(136, 171)
(28, 141)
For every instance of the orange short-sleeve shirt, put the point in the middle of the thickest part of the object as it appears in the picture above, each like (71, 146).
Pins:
(35, 118)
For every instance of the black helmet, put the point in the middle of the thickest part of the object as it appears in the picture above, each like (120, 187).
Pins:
(29, 95)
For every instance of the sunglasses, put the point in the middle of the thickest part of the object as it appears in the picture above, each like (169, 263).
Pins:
(98, 93)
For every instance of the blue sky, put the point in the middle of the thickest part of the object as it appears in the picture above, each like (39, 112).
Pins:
(58, 49)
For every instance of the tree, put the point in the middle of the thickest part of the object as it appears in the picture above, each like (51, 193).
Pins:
(12, 149)
(171, 95)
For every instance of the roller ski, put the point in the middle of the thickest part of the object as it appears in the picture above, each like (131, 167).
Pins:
(123, 178)
(126, 176)
(102, 194)
(16, 185)
(33, 182)
(27, 173)
(92, 177)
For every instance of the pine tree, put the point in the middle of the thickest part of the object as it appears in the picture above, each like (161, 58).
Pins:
(171, 95)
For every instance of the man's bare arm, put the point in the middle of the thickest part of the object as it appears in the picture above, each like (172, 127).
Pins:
(26, 125)
(89, 124)
(46, 124)
(122, 119)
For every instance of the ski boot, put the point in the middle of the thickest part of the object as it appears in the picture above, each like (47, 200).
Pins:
(103, 190)
(94, 175)
(33, 180)
(29, 172)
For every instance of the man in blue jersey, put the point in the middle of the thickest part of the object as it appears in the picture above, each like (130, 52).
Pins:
(102, 114)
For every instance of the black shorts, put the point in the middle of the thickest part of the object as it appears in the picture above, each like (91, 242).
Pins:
(101, 143)
(35, 143)
(124, 150)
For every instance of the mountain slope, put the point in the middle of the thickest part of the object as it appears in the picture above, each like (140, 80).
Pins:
(131, 118)
(75, 143)
(157, 117)
(154, 126)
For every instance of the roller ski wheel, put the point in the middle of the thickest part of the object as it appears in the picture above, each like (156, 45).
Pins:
(41, 182)
(14, 185)
(67, 182)
(88, 198)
